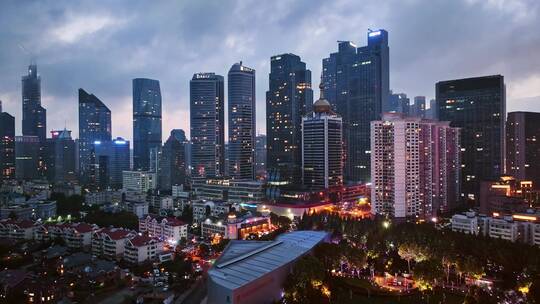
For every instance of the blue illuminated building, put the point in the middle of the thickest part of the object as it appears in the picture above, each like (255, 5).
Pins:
(111, 158)
(356, 83)
(146, 121)
(94, 125)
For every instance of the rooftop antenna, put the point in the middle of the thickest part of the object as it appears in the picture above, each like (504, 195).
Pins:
(32, 56)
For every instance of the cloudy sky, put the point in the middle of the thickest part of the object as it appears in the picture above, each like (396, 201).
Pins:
(101, 45)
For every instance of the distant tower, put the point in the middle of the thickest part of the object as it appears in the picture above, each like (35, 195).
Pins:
(146, 121)
(7, 145)
(241, 82)
(322, 148)
(34, 116)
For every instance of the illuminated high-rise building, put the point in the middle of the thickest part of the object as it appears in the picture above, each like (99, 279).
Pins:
(356, 83)
(111, 159)
(7, 145)
(523, 146)
(478, 107)
(34, 115)
(288, 99)
(207, 122)
(322, 147)
(146, 121)
(415, 167)
(94, 125)
(241, 102)
(34, 121)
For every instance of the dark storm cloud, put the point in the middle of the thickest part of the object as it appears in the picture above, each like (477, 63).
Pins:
(101, 45)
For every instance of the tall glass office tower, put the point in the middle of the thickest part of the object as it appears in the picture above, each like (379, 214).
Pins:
(173, 161)
(7, 145)
(356, 83)
(288, 99)
(146, 121)
(34, 116)
(94, 125)
(34, 122)
(241, 84)
(477, 106)
(207, 122)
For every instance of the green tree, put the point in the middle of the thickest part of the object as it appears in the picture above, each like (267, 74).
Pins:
(410, 252)
(534, 291)
(305, 283)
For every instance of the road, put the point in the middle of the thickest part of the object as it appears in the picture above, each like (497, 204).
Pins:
(117, 297)
(197, 294)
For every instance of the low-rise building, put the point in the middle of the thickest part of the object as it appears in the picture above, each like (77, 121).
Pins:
(203, 209)
(226, 189)
(17, 229)
(254, 271)
(503, 228)
(139, 181)
(76, 235)
(140, 209)
(293, 210)
(168, 229)
(466, 223)
(234, 228)
(142, 248)
(111, 242)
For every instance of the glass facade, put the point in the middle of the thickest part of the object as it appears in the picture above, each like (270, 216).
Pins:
(94, 125)
(523, 146)
(356, 83)
(288, 99)
(7, 145)
(478, 107)
(111, 159)
(146, 121)
(173, 161)
(241, 90)
(207, 122)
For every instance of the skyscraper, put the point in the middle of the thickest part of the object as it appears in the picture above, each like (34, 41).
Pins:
(418, 108)
(207, 122)
(322, 149)
(94, 125)
(477, 106)
(415, 166)
(111, 159)
(173, 161)
(260, 156)
(356, 83)
(241, 84)
(288, 99)
(398, 103)
(34, 116)
(61, 151)
(34, 122)
(27, 151)
(7, 145)
(146, 121)
(523, 146)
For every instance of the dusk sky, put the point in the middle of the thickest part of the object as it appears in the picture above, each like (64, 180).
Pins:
(101, 46)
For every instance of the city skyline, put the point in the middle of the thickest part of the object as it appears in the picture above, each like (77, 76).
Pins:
(103, 45)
